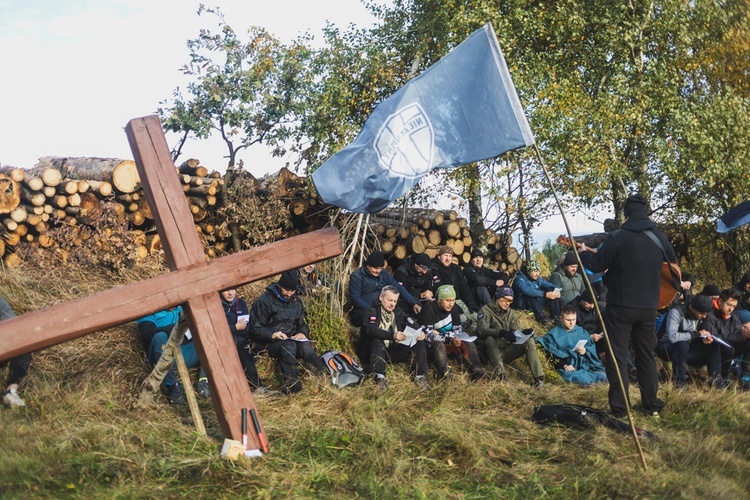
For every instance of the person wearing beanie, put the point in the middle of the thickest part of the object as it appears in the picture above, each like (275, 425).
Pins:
(449, 273)
(483, 281)
(724, 323)
(567, 279)
(381, 336)
(417, 276)
(632, 257)
(686, 342)
(534, 293)
(496, 324)
(442, 319)
(711, 290)
(277, 319)
(366, 283)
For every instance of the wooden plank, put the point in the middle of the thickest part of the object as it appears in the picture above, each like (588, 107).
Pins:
(229, 393)
(62, 322)
(164, 193)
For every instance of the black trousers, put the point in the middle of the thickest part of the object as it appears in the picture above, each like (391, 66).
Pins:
(286, 352)
(397, 353)
(19, 367)
(623, 326)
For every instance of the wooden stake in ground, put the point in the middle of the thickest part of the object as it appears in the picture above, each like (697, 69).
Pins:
(193, 282)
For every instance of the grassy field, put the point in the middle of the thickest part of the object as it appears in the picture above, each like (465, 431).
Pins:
(82, 435)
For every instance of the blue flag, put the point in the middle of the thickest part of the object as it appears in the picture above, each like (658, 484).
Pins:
(736, 217)
(462, 109)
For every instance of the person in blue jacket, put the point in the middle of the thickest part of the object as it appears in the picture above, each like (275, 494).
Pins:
(577, 364)
(366, 283)
(534, 292)
(155, 329)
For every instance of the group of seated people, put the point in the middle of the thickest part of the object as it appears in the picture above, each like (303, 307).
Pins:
(275, 324)
(431, 310)
(709, 329)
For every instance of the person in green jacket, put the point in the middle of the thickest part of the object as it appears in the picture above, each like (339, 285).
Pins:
(496, 326)
(566, 278)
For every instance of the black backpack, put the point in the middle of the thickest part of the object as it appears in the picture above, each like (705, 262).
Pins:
(344, 370)
(582, 417)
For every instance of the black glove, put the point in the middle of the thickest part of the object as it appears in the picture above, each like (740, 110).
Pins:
(507, 335)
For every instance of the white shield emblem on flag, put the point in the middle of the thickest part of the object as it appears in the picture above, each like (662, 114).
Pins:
(405, 142)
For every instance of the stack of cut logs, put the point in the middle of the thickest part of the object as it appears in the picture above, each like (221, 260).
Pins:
(64, 203)
(404, 232)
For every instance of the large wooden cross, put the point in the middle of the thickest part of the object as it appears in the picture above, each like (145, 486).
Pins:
(193, 282)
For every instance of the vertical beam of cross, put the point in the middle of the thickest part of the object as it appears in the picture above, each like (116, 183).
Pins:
(182, 247)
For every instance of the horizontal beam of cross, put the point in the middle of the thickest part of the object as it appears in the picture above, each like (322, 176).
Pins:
(70, 320)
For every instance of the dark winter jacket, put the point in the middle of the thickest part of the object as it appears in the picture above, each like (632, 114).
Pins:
(364, 288)
(745, 296)
(483, 276)
(442, 321)
(588, 320)
(413, 282)
(729, 329)
(233, 310)
(452, 275)
(371, 321)
(633, 263)
(273, 313)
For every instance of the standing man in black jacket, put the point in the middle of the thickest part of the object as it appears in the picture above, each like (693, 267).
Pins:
(633, 261)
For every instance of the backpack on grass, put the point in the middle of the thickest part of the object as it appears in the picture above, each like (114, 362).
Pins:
(344, 370)
(582, 417)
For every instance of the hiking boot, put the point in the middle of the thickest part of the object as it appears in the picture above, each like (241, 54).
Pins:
(381, 383)
(202, 388)
(12, 399)
(745, 383)
(175, 395)
(538, 383)
(422, 382)
(265, 391)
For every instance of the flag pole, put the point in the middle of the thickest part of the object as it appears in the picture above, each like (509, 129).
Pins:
(610, 352)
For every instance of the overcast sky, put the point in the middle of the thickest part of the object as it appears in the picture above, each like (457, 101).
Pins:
(74, 72)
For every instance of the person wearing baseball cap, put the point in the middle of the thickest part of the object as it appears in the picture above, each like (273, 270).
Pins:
(497, 324)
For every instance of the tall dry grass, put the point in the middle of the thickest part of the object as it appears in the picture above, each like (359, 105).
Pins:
(82, 436)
